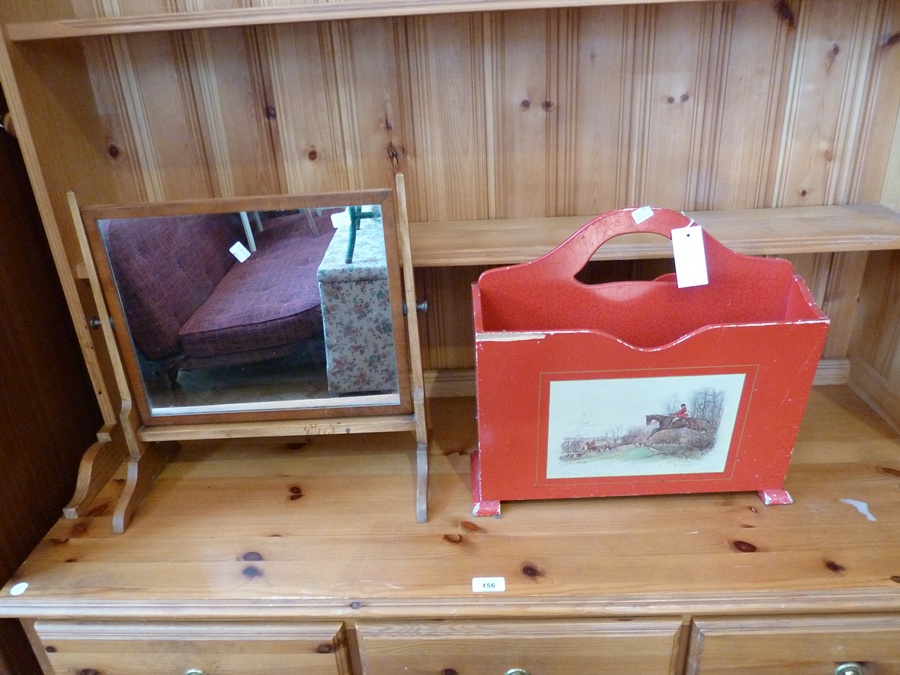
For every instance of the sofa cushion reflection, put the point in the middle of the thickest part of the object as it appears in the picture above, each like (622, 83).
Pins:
(190, 303)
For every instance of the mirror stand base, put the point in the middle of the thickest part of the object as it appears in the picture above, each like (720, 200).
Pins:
(97, 466)
(422, 481)
(142, 474)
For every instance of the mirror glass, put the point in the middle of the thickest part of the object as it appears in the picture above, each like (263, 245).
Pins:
(281, 307)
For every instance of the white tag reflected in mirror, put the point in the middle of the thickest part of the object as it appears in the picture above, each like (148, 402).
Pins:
(341, 219)
(239, 251)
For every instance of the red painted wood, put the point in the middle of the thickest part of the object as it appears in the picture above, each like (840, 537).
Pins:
(535, 324)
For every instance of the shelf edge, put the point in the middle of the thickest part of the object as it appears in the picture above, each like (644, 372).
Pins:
(817, 229)
(261, 16)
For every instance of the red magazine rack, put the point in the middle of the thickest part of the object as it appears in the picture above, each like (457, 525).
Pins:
(580, 387)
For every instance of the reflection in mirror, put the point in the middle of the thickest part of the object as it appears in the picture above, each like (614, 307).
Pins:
(255, 310)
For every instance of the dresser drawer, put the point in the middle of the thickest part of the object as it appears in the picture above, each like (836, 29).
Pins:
(107, 648)
(795, 646)
(532, 647)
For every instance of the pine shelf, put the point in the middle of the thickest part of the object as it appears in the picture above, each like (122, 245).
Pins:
(781, 231)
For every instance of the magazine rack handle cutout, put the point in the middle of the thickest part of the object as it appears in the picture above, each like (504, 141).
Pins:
(544, 294)
(572, 255)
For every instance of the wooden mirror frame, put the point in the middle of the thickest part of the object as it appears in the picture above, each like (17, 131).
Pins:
(149, 445)
(332, 406)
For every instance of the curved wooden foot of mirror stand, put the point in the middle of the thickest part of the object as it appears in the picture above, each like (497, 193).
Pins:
(142, 474)
(97, 466)
(100, 462)
(145, 462)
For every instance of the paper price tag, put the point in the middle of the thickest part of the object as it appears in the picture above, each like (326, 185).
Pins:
(690, 256)
(488, 584)
(642, 214)
(341, 219)
(239, 251)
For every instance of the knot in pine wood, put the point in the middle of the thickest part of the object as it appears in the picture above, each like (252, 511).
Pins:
(252, 572)
(532, 571)
(743, 546)
(837, 568)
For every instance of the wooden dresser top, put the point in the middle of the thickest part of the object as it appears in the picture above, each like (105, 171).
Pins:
(328, 530)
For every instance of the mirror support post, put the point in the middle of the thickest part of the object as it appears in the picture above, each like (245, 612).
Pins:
(415, 353)
(145, 460)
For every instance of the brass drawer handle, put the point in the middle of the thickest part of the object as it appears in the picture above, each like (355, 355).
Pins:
(194, 671)
(849, 669)
(517, 671)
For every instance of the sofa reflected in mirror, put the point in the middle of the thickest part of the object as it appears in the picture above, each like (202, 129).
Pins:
(247, 308)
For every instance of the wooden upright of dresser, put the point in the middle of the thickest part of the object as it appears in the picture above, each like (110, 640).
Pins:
(778, 124)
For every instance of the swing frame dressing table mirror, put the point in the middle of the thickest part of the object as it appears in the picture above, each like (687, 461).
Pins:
(291, 391)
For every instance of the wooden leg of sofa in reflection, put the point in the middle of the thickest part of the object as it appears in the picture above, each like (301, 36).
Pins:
(97, 466)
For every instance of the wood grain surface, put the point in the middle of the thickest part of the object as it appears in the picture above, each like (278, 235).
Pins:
(327, 529)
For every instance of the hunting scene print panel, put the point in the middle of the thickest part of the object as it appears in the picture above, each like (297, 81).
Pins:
(612, 424)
